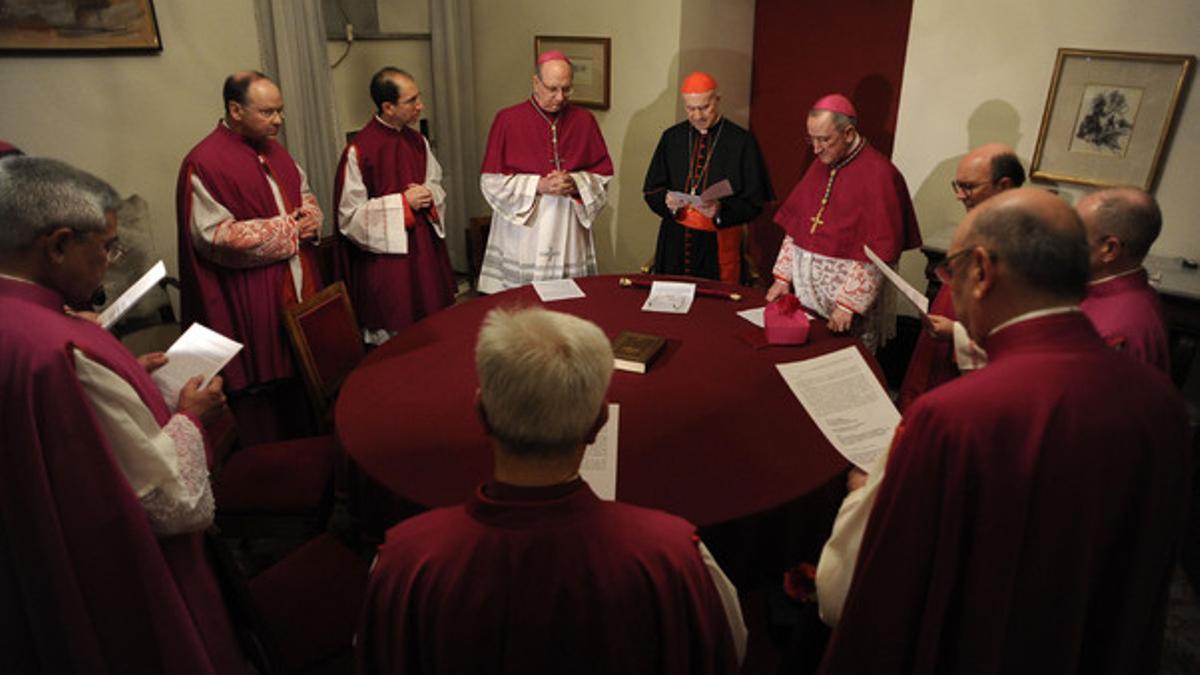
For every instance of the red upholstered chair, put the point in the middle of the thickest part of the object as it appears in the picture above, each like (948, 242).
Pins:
(278, 490)
(327, 343)
(298, 615)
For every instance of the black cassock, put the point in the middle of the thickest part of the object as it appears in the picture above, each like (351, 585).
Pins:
(687, 161)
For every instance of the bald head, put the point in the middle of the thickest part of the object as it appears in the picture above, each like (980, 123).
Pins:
(1021, 251)
(986, 171)
(1121, 225)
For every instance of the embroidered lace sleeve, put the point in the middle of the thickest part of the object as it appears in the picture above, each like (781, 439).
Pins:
(783, 262)
(241, 243)
(863, 281)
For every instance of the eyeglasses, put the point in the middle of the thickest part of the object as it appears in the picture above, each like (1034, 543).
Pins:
(115, 250)
(966, 188)
(267, 112)
(565, 90)
(943, 270)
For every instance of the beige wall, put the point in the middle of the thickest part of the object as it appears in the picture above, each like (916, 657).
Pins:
(650, 48)
(978, 71)
(131, 119)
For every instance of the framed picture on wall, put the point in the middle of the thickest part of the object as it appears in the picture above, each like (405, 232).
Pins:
(56, 26)
(1109, 116)
(591, 58)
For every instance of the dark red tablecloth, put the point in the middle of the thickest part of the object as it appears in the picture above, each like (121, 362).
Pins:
(711, 432)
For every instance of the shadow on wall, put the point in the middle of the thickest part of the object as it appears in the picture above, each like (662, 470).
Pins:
(631, 239)
(994, 121)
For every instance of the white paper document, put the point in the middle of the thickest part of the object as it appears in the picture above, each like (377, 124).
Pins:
(713, 193)
(670, 297)
(558, 289)
(754, 316)
(199, 351)
(599, 467)
(906, 289)
(130, 297)
(844, 398)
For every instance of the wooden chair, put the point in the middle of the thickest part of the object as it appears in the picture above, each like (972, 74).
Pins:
(327, 344)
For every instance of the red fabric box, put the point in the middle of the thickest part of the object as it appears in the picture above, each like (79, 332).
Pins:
(786, 322)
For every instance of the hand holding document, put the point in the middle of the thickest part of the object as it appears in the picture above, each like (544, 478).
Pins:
(558, 289)
(906, 289)
(599, 467)
(713, 193)
(199, 351)
(670, 297)
(130, 297)
(843, 396)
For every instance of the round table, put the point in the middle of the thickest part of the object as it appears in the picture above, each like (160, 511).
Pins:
(711, 432)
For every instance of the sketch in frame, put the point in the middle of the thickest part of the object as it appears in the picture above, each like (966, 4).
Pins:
(81, 26)
(1109, 116)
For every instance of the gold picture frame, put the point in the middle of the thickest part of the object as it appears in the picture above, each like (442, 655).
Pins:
(1108, 117)
(118, 27)
(591, 58)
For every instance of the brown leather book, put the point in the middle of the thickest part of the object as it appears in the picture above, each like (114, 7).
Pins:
(634, 352)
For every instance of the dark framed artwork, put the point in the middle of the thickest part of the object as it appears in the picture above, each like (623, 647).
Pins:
(79, 26)
(1109, 116)
(591, 58)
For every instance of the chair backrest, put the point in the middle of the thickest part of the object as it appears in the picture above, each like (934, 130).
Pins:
(327, 343)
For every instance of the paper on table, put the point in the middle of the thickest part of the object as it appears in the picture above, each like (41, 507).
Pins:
(754, 316)
(906, 289)
(599, 467)
(713, 193)
(558, 289)
(129, 298)
(670, 297)
(199, 351)
(844, 398)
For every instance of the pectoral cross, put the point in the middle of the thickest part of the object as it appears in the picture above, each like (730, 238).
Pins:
(816, 222)
(554, 145)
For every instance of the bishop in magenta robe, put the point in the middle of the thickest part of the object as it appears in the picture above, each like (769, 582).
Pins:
(538, 231)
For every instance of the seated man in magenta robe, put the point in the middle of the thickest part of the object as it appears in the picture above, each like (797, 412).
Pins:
(390, 215)
(1121, 224)
(104, 490)
(535, 574)
(1021, 500)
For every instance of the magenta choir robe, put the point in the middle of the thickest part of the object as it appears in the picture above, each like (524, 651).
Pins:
(85, 586)
(245, 303)
(536, 237)
(391, 291)
(1128, 314)
(932, 361)
(1028, 518)
(869, 204)
(543, 580)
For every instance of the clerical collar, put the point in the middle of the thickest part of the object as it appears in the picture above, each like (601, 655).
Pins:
(21, 279)
(714, 125)
(1035, 314)
(508, 492)
(1118, 275)
(384, 123)
(546, 114)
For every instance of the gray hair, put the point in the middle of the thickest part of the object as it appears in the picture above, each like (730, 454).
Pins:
(840, 120)
(1047, 258)
(543, 377)
(39, 195)
(1131, 215)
